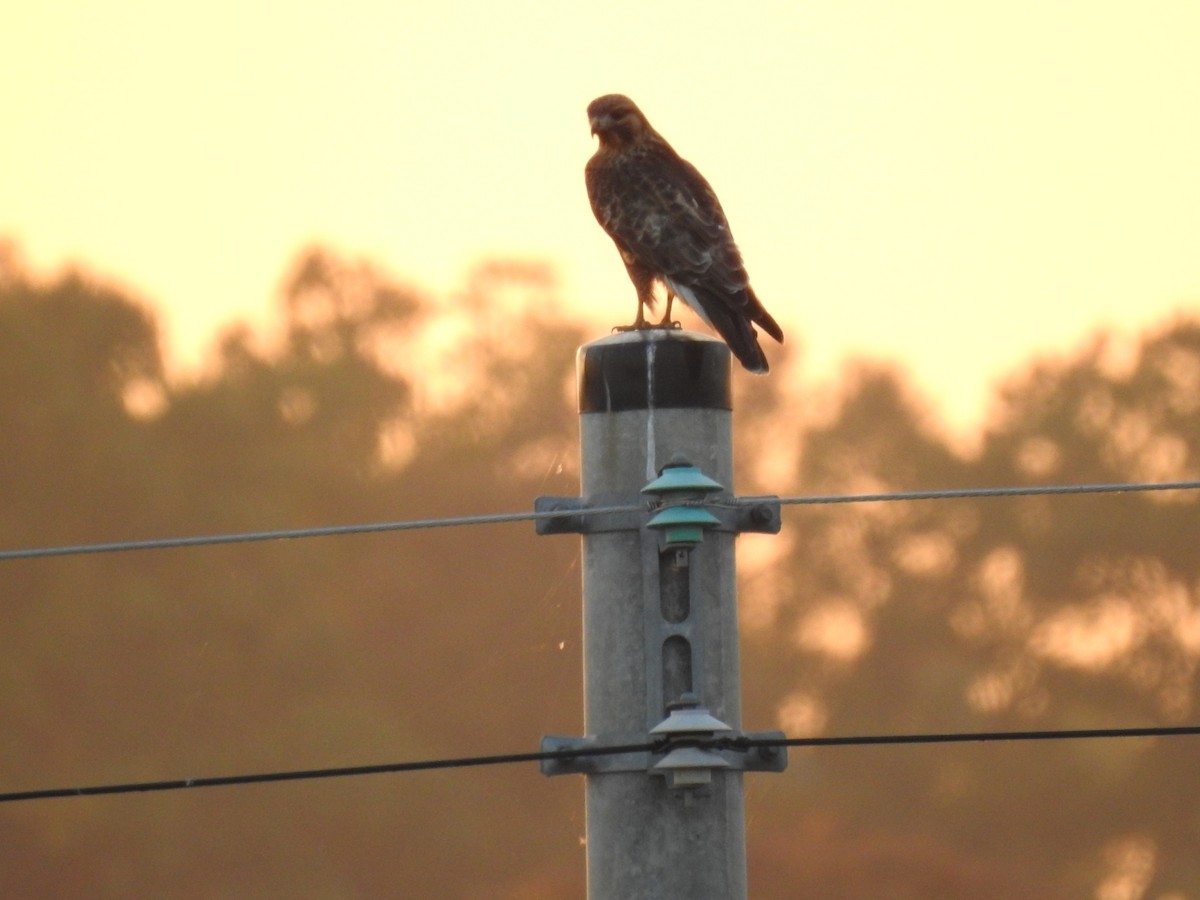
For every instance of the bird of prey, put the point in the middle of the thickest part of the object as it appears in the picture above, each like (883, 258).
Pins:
(669, 228)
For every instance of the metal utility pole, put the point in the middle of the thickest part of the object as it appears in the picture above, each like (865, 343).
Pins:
(660, 618)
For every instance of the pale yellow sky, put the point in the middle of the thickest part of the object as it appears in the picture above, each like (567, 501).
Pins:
(953, 185)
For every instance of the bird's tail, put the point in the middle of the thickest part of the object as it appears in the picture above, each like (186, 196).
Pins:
(760, 317)
(732, 322)
(731, 317)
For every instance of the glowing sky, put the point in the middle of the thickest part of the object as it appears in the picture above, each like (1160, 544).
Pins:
(953, 185)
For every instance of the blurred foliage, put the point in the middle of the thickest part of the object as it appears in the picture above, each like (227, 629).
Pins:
(1053, 612)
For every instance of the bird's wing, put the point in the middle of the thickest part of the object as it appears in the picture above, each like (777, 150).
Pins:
(660, 210)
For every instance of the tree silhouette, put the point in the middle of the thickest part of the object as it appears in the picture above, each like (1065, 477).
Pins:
(979, 614)
(369, 402)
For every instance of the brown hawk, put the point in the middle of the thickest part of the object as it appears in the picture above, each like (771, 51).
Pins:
(669, 227)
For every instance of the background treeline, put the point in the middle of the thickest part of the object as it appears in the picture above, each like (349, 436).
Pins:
(369, 402)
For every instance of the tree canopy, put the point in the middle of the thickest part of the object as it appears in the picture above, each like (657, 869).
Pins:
(966, 614)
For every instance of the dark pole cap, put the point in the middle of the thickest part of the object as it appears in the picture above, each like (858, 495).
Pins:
(653, 368)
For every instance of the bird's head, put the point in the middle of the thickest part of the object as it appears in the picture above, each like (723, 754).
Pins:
(616, 120)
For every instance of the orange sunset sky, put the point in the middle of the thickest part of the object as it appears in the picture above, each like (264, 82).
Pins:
(952, 185)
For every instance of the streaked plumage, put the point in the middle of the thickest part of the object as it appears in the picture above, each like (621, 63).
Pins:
(669, 227)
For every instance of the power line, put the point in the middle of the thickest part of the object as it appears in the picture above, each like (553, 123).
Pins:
(290, 533)
(497, 518)
(657, 746)
(311, 774)
(968, 737)
(964, 493)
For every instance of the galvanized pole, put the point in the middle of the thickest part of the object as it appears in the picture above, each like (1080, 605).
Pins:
(660, 620)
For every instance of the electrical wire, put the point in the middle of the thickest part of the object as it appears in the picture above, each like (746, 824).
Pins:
(495, 518)
(657, 746)
(963, 493)
(310, 774)
(967, 737)
(290, 533)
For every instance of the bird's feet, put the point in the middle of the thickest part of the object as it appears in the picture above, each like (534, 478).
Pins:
(639, 325)
(647, 326)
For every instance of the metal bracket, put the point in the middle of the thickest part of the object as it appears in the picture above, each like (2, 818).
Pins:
(739, 515)
(727, 746)
(595, 763)
(756, 515)
(585, 522)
